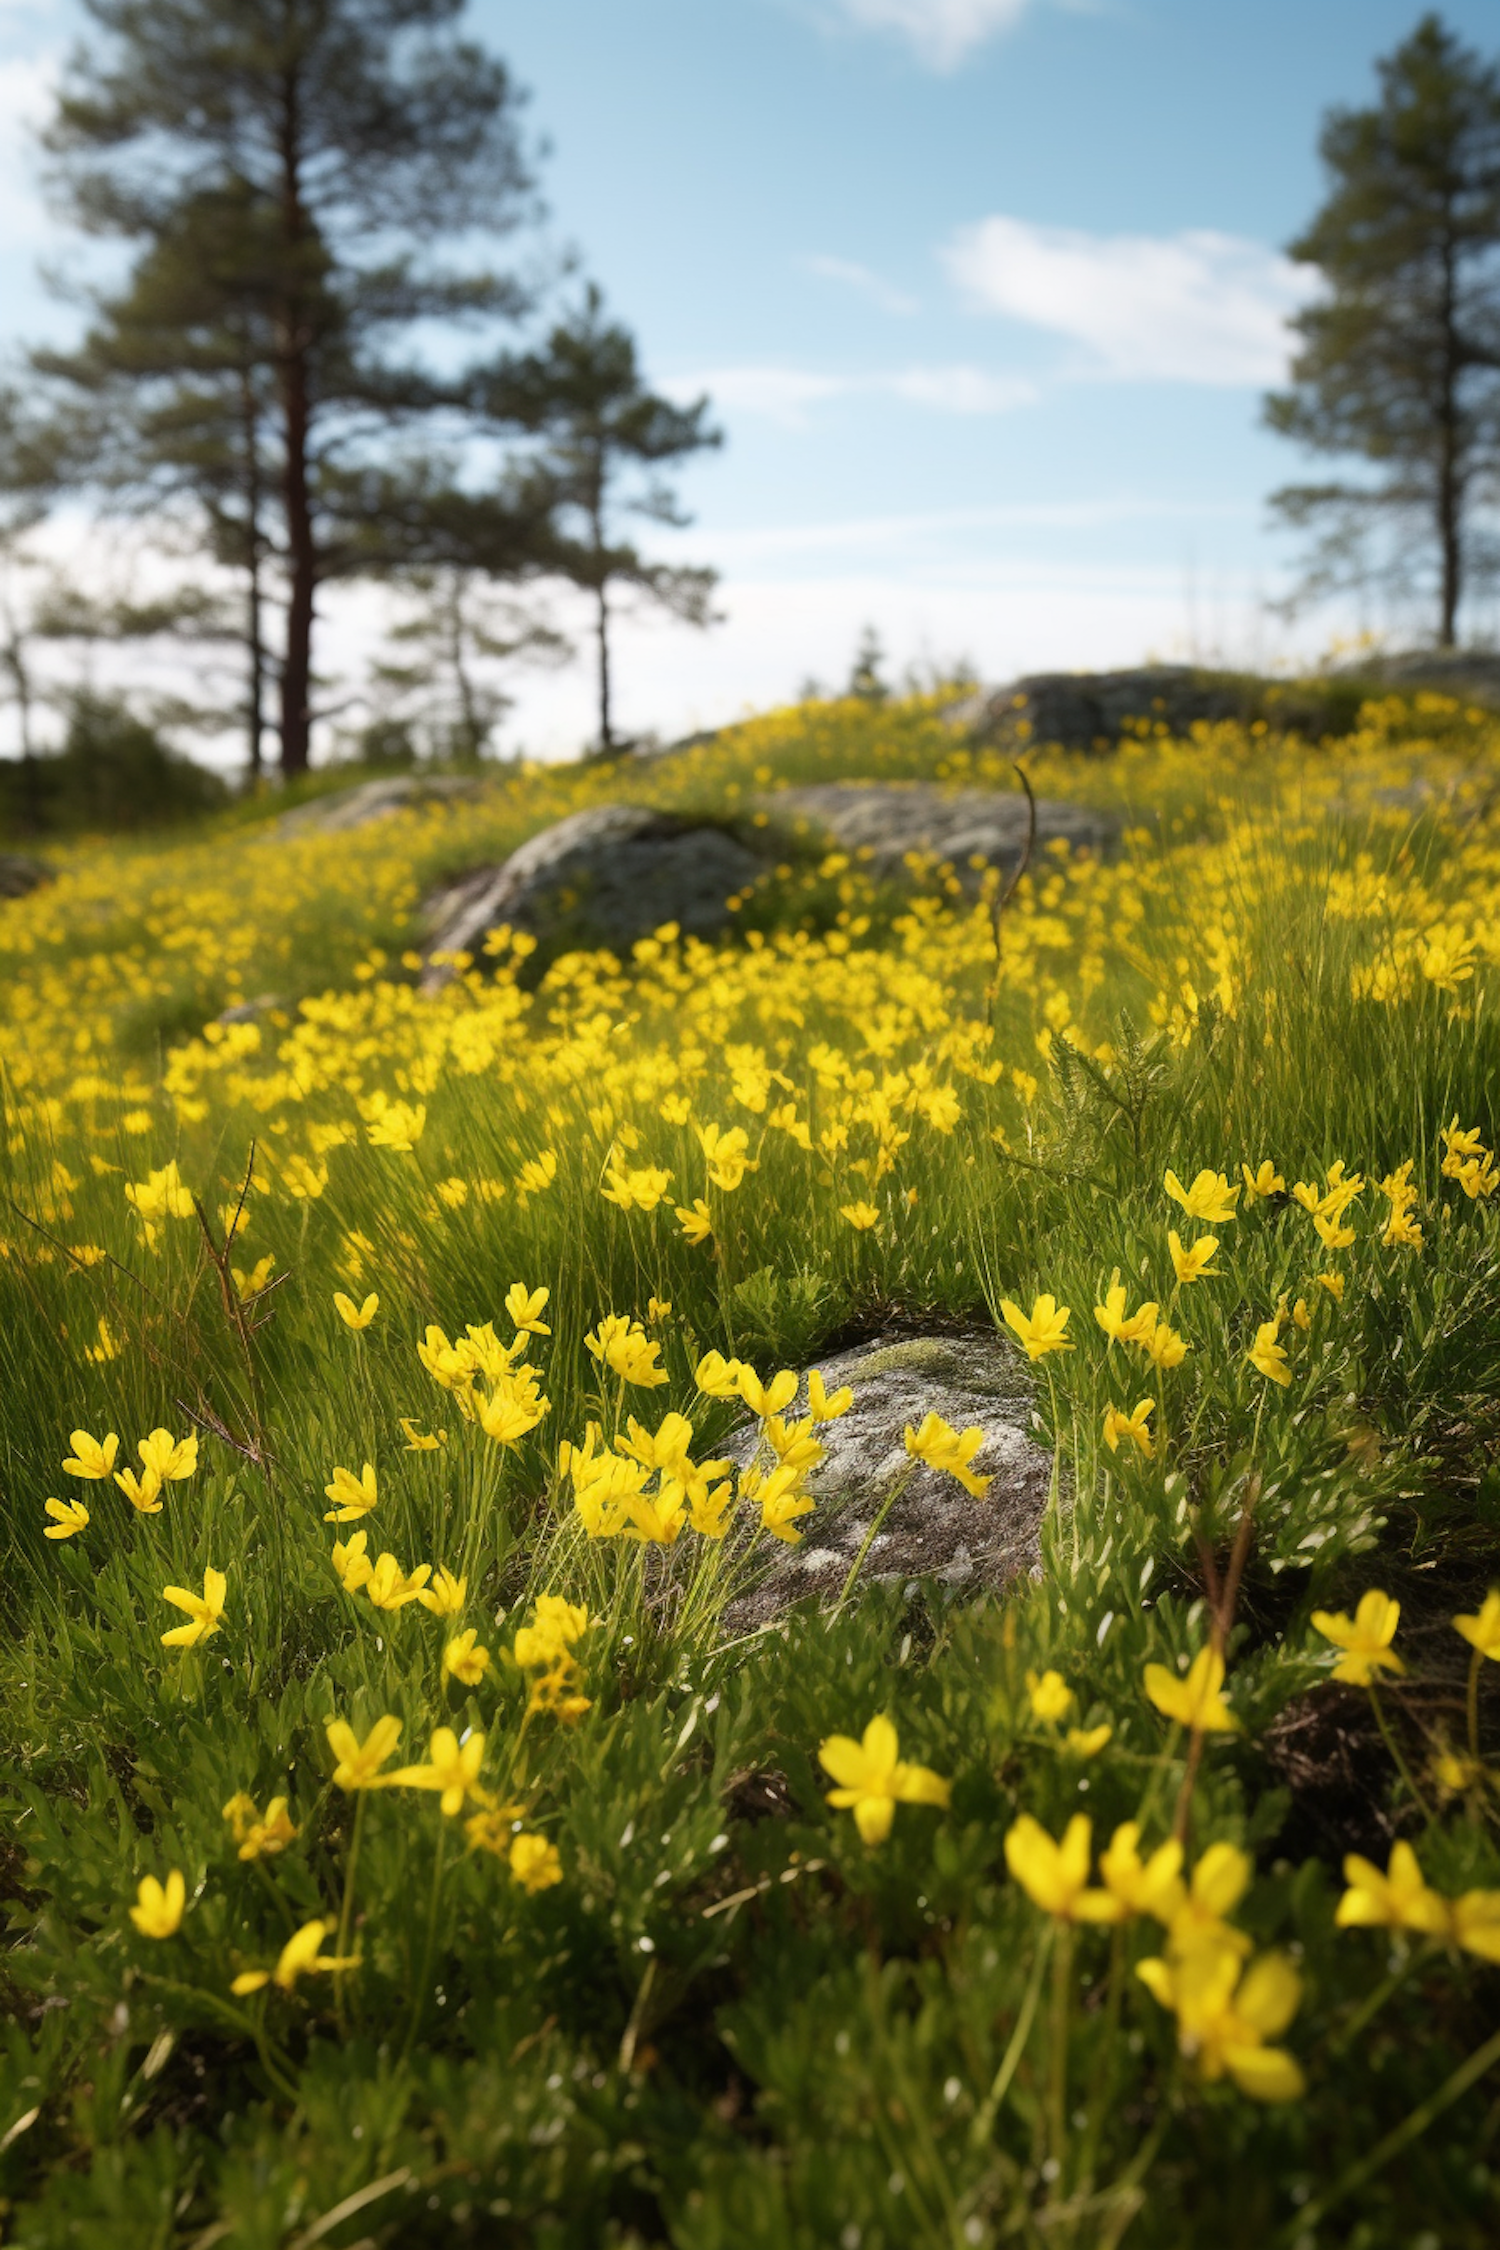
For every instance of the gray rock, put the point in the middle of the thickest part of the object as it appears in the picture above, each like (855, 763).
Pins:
(345, 809)
(936, 1529)
(19, 876)
(1091, 710)
(891, 820)
(1470, 675)
(603, 877)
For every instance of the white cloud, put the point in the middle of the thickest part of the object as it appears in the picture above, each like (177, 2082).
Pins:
(942, 31)
(872, 285)
(780, 394)
(785, 394)
(1198, 307)
(960, 390)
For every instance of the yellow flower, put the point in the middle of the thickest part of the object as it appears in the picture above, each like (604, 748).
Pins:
(1164, 1347)
(1397, 1900)
(452, 1769)
(942, 1448)
(143, 1492)
(108, 1347)
(766, 1399)
(68, 1518)
(1055, 1876)
(513, 1411)
(726, 1154)
(823, 1405)
(1334, 1284)
(1265, 1180)
(92, 1458)
(781, 1501)
(352, 1565)
(359, 1763)
(464, 1659)
(623, 1346)
(398, 1126)
(248, 1285)
(157, 1912)
(524, 1308)
(718, 1377)
(1049, 1695)
(1266, 1356)
(1226, 2014)
(389, 1587)
(1151, 1886)
(352, 1315)
(1475, 1922)
(636, 1190)
(536, 1174)
(300, 1956)
(1134, 1426)
(1087, 1742)
(1365, 1637)
(417, 1441)
(352, 1496)
(873, 1780)
(861, 1216)
(1217, 1884)
(1194, 1701)
(205, 1610)
(446, 1596)
(161, 1195)
(1480, 1628)
(170, 1458)
(1112, 1318)
(1210, 1197)
(555, 1626)
(535, 1863)
(695, 1220)
(1332, 1232)
(658, 1309)
(1191, 1265)
(257, 1837)
(1041, 1331)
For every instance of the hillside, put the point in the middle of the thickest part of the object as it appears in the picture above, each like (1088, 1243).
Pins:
(432, 1813)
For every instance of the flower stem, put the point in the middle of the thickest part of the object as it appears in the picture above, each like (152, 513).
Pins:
(1397, 1758)
(419, 1988)
(872, 1535)
(1057, 2059)
(346, 1910)
(1474, 1663)
(1483, 2058)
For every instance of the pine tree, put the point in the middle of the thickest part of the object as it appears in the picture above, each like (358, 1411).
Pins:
(584, 399)
(1400, 357)
(320, 150)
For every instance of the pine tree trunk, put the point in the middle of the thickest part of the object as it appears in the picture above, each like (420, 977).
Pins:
(301, 546)
(255, 639)
(606, 738)
(1450, 482)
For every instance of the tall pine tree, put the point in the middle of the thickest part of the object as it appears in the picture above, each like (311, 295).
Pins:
(328, 149)
(1400, 357)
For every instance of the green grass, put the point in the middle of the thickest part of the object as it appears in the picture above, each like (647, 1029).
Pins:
(730, 2020)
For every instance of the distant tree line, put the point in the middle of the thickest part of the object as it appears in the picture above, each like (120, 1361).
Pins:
(312, 193)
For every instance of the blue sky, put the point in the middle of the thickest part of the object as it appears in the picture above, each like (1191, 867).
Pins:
(985, 291)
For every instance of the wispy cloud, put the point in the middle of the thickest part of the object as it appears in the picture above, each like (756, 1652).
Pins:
(943, 32)
(787, 394)
(1197, 307)
(869, 284)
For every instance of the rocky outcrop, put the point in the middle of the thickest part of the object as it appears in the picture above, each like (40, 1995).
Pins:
(19, 876)
(1092, 710)
(960, 825)
(345, 809)
(603, 877)
(1469, 675)
(935, 1529)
